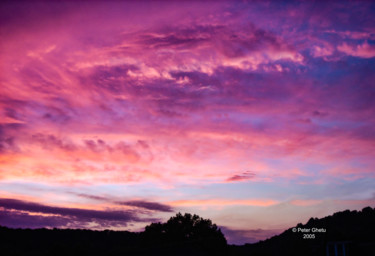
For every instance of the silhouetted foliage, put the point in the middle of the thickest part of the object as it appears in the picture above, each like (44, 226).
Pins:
(185, 231)
(66, 242)
(355, 228)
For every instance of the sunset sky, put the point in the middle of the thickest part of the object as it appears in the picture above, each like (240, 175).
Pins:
(257, 115)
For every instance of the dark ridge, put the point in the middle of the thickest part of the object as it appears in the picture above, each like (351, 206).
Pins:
(352, 231)
(66, 242)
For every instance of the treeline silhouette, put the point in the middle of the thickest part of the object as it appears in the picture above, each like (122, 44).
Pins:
(184, 235)
(192, 235)
(355, 230)
(181, 235)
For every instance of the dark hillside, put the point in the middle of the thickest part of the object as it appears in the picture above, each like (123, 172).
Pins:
(66, 242)
(352, 229)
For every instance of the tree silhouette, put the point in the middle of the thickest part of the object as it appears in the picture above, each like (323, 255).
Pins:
(188, 234)
(185, 231)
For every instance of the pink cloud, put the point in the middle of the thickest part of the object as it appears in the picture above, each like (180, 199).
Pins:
(322, 51)
(364, 50)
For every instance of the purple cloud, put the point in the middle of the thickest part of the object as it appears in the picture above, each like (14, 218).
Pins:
(93, 197)
(17, 219)
(50, 141)
(153, 206)
(148, 205)
(37, 215)
(241, 177)
(72, 212)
